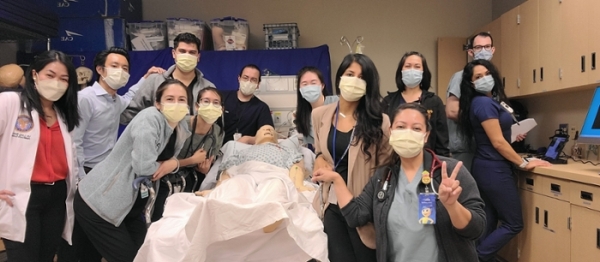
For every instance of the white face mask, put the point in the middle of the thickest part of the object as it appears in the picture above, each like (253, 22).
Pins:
(51, 89)
(247, 88)
(186, 62)
(412, 77)
(209, 113)
(115, 77)
(352, 88)
(483, 54)
(406, 142)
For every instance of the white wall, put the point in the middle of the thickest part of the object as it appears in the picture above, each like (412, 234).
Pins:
(390, 27)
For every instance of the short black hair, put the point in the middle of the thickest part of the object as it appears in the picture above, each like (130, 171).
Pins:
(253, 66)
(482, 34)
(187, 38)
(100, 59)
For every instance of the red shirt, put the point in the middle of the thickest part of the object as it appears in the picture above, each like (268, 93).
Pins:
(51, 158)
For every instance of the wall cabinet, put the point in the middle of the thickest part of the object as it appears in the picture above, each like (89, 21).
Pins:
(509, 38)
(529, 41)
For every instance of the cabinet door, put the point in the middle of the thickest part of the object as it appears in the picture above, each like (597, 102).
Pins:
(509, 37)
(529, 47)
(556, 235)
(529, 247)
(575, 57)
(585, 229)
(594, 36)
(549, 45)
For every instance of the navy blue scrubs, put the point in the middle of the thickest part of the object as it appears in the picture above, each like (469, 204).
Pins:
(495, 178)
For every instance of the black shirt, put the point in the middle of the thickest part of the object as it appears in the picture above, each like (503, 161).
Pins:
(341, 143)
(169, 150)
(244, 117)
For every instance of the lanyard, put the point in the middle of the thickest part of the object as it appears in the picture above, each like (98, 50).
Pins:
(509, 110)
(335, 137)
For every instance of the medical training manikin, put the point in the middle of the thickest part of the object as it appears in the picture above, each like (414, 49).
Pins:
(255, 213)
(11, 76)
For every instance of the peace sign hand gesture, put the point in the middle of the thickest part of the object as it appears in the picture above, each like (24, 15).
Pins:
(450, 188)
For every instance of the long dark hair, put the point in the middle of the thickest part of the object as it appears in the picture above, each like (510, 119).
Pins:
(425, 82)
(467, 93)
(200, 93)
(67, 105)
(303, 108)
(369, 113)
(395, 159)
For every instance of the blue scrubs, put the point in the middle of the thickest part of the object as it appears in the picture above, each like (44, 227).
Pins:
(495, 179)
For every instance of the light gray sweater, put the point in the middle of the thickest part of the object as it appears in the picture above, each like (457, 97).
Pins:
(108, 188)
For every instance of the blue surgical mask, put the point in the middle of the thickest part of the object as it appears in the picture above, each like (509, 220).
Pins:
(484, 54)
(412, 77)
(485, 84)
(311, 93)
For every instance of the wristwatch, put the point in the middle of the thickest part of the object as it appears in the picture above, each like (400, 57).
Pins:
(524, 164)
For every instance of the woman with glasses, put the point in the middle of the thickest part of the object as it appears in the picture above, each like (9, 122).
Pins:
(199, 150)
(413, 79)
(110, 203)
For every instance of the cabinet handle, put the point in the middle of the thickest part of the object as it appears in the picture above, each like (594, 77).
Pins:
(503, 81)
(541, 74)
(537, 215)
(582, 63)
(534, 75)
(594, 61)
(555, 188)
(598, 238)
(587, 196)
(529, 181)
(545, 218)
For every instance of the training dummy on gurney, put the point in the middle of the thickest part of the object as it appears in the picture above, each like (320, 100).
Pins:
(255, 213)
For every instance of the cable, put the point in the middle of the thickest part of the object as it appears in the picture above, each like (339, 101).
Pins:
(579, 160)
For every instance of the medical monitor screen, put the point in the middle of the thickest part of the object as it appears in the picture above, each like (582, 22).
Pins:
(590, 132)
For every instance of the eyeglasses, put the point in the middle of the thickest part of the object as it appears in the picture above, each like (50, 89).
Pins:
(478, 48)
(206, 102)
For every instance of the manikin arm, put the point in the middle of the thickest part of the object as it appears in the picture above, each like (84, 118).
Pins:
(224, 176)
(297, 175)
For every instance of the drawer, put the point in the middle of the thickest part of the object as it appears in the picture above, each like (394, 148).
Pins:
(530, 182)
(585, 195)
(556, 188)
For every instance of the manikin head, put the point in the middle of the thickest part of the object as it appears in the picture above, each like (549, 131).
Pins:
(266, 134)
(11, 76)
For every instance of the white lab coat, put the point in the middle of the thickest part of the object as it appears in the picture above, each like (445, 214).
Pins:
(17, 156)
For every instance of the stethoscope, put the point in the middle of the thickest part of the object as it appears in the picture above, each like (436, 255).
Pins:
(436, 163)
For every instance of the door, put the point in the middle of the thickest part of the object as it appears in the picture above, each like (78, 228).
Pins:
(575, 55)
(594, 36)
(529, 47)
(528, 239)
(556, 235)
(509, 37)
(549, 45)
(585, 227)
(451, 59)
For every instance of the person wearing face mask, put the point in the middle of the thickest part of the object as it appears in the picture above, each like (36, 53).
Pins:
(244, 112)
(413, 79)
(38, 163)
(186, 54)
(481, 46)
(350, 139)
(199, 150)
(425, 207)
(111, 201)
(311, 94)
(94, 138)
(489, 121)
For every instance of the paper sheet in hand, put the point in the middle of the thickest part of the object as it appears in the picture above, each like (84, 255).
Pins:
(521, 128)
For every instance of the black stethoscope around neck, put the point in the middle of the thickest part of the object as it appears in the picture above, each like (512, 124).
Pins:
(436, 163)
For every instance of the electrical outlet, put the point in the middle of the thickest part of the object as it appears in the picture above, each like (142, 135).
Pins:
(572, 132)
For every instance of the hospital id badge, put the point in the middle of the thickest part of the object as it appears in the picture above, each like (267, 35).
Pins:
(144, 191)
(427, 208)
(237, 136)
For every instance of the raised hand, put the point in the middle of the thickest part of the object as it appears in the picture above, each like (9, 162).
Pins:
(450, 188)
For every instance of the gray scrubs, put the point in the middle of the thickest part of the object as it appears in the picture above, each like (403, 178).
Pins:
(409, 240)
